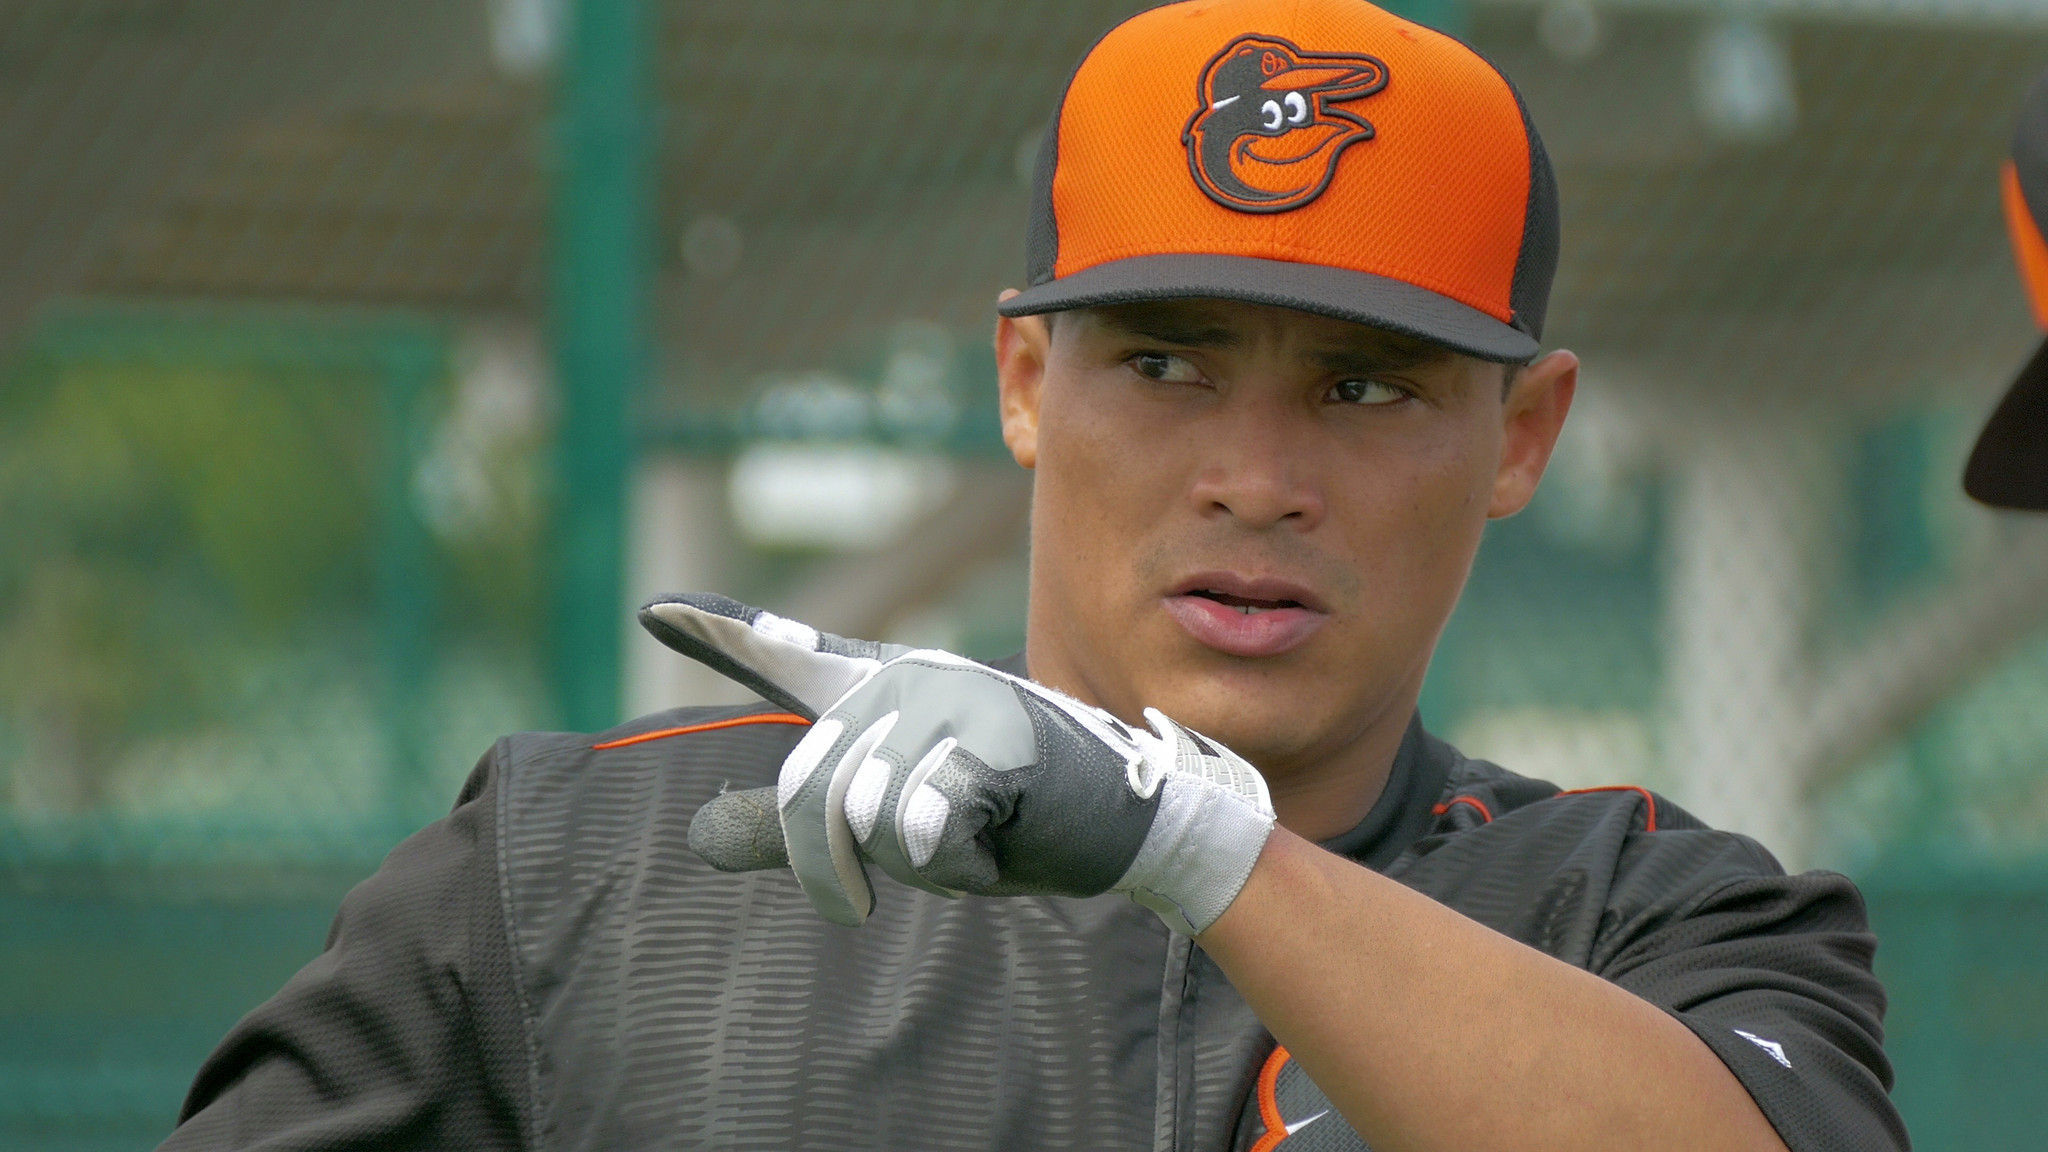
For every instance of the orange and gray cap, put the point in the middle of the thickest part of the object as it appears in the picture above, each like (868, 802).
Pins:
(1321, 155)
(2009, 466)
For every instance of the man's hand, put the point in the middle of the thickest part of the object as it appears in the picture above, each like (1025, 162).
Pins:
(959, 779)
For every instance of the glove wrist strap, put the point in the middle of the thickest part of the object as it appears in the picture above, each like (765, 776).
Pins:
(1203, 844)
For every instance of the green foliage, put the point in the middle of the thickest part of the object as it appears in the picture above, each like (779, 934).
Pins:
(156, 515)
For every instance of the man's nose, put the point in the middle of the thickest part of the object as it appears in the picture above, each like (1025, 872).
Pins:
(1259, 470)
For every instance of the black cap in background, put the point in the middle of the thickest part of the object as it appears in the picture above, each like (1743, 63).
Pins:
(2009, 466)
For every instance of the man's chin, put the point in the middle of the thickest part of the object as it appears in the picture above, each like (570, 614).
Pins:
(1272, 731)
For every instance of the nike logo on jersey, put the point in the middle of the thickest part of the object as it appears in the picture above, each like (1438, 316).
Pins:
(1284, 1102)
(1298, 1125)
(1772, 1048)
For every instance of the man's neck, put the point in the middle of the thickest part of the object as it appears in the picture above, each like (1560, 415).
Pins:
(1335, 795)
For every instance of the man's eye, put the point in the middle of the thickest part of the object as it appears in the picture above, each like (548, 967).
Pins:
(1160, 366)
(1366, 392)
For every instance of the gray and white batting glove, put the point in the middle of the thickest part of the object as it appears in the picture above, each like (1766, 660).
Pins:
(959, 779)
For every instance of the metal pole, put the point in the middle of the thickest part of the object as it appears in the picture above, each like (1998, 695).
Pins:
(600, 279)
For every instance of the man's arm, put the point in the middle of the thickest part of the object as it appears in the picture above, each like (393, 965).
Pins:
(386, 1040)
(1425, 1028)
(1428, 1030)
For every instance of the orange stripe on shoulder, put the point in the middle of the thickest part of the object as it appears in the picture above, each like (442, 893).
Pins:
(1469, 801)
(712, 726)
(1649, 822)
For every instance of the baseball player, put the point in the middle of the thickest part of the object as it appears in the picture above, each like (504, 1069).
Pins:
(2009, 466)
(1189, 873)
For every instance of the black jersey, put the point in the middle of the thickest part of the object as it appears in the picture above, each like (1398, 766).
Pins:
(550, 967)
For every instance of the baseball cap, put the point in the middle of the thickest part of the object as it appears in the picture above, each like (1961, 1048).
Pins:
(1321, 155)
(2009, 467)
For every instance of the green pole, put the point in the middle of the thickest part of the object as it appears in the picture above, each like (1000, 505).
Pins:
(410, 364)
(600, 278)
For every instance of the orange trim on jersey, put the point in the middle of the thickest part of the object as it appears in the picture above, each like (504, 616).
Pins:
(2028, 248)
(713, 726)
(1472, 801)
(1267, 1094)
(1649, 823)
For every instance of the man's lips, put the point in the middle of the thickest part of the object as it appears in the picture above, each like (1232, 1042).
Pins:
(1243, 617)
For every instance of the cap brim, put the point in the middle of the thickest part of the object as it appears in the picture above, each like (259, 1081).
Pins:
(2009, 466)
(1339, 293)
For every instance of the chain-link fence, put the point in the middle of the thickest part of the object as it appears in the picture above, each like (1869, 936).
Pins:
(289, 285)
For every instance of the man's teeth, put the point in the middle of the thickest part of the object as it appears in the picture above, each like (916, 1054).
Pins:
(1245, 609)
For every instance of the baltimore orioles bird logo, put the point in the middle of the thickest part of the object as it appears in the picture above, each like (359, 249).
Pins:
(1266, 138)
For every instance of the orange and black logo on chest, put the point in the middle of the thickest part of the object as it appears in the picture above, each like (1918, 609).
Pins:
(1267, 136)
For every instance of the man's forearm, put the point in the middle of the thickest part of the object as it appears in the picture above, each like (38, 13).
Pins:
(1430, 1031)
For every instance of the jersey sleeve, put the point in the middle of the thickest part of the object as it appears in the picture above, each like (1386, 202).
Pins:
(1772, 972)
(406, 1032)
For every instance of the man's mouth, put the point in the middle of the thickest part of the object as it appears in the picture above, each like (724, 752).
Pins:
(1245, 604)
(1245, 617)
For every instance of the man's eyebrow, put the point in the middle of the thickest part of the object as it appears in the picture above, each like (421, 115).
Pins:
(1172, 330)
(1367, 360)
(1192, 331)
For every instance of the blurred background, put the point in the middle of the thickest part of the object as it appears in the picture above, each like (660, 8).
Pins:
(362, 364)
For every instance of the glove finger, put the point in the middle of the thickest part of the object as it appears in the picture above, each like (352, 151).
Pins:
(791, 665)
(740, 832)
(812, 792)
(944, 703)
(874, 806)
(943, 808)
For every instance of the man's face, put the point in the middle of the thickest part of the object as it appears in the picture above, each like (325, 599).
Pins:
(1257, 520)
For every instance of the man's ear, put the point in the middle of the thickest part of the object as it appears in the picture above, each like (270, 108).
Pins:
(1022, 345)
(1533, 416)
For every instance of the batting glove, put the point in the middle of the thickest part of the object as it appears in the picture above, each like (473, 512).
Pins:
(959, 779)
